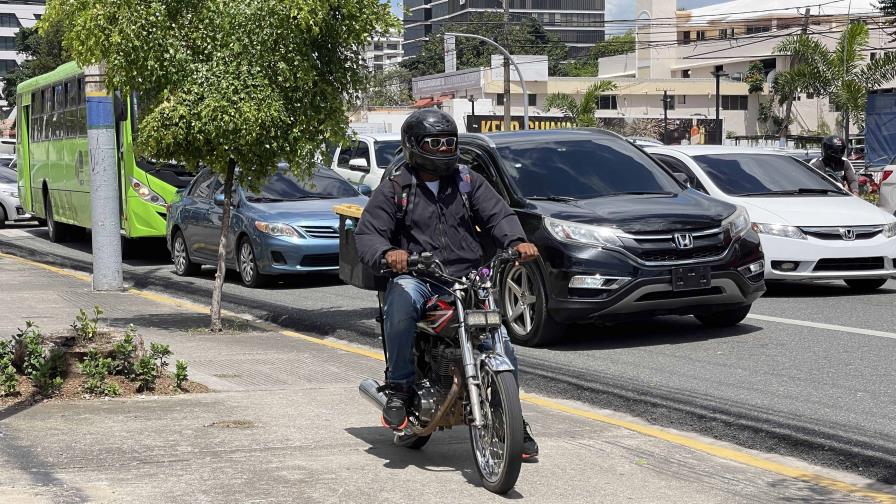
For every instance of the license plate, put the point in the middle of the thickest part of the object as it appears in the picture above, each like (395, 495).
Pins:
(691, 278)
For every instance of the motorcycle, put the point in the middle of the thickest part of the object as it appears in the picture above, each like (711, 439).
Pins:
(463, 376)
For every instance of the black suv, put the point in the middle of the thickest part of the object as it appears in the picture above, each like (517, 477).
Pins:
(620, 237)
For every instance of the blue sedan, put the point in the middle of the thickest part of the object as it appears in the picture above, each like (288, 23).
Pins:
(287, 226)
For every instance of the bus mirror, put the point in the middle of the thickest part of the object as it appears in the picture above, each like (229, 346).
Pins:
(118, 106)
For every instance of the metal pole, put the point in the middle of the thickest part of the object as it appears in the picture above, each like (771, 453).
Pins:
(665, 117)
(104, 197)
(507, 71)
(519, 73)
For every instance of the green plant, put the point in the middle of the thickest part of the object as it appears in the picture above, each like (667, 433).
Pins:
(97, 370)
(34, 349)
(9, 381)
(755, 78)
(85, 327)
(583, 111)
(180, 373)
(730, 134)
(145, 373)
(123, 354)
(160, 352)
(46, 374)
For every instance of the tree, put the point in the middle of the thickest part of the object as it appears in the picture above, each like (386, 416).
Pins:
(755, 78)
(389, 88)
(888, 8)
(43, 52)
(243, 84)
(589, 65)
(527, 36)
(840, 75)
(584, 111)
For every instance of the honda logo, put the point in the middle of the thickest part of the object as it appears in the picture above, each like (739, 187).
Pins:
(684, 240)
(848, 234)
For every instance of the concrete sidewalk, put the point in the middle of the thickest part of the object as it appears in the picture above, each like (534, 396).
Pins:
(286, 424)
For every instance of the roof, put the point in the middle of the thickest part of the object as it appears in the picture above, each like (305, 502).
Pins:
(697, 150)
(749, 10)
(65, 71)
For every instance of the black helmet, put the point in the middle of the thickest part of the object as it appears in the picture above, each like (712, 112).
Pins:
(423, 124)
(832, 147)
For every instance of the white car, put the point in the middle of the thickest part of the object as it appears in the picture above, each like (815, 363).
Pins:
(10, 209)
(888, 190)
(810, 228)
(366, 158)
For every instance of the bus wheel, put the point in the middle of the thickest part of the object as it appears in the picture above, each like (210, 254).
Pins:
(58, 232)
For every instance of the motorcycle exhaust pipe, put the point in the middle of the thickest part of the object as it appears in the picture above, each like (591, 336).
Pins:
(368, 391)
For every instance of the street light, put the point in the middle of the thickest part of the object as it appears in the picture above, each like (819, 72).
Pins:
(719, 74)
(472, 100)
(519, 73)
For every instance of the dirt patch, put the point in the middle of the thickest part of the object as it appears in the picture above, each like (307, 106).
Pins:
(232, 424)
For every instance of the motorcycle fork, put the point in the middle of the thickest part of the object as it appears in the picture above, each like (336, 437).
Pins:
(471, 370)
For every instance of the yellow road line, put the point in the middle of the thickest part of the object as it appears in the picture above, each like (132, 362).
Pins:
(646, 430)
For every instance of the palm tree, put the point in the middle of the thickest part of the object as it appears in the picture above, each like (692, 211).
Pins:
(583, 112)
(840, 75)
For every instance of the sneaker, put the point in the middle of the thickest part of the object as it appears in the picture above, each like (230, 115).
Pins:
(530, 447)
(395, 415)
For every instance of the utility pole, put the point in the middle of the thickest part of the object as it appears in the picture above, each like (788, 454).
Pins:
(718, 75)
(782, 137)
(665, 101)
(507, 69)
(105, 218)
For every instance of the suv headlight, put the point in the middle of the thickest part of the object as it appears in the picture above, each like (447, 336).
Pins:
(585, 234)
(738, 223)
(145, 193)
(890, 230)
(781, 230)
(276, 229)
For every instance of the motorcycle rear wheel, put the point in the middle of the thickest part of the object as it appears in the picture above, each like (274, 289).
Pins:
(498, 444)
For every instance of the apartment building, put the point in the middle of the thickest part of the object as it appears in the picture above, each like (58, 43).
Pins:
(13, 16)
(384, 51)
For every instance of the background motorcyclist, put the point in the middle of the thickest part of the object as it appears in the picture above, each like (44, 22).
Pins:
(833, 164)
(425, 206)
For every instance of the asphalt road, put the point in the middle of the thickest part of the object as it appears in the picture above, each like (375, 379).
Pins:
(782, 382)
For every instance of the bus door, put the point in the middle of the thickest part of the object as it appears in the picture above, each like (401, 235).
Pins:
(23, 132)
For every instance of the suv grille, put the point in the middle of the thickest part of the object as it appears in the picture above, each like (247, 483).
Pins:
(321, 232)
(850, 264)
(662, 248)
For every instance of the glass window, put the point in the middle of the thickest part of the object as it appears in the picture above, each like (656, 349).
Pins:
(583, 169)
(533, 99)
(607, 103)
(764, 174)
(60, 97)
(36, 104)
(677, 166)
(7, 43)
(386, 152)
(72, 98)
(500, 99)
(284, 186)
(205, 185)
(734, 102)
(361, 151)
(7, 176)
(9, 21)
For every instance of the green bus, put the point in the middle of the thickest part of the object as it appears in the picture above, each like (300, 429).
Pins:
(54, 163)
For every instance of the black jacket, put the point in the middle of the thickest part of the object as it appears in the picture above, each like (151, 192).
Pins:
(436, 223)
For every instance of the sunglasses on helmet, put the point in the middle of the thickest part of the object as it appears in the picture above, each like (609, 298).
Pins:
(437, 143)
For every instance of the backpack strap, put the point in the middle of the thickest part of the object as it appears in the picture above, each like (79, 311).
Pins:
(405, 186)
(465, 187)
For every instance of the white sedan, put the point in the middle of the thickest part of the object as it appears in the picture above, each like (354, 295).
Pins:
(10, 209)
(811, 229)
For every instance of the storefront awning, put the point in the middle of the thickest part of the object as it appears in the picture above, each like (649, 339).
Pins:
(423, 102)
(442, 98)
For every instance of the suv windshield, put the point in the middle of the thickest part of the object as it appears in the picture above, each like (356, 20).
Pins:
(284, 186)
(583, 169)
(7, 176)
(764, 174)
(385, 152)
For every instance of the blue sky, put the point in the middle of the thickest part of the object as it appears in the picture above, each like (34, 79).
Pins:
(616, 9)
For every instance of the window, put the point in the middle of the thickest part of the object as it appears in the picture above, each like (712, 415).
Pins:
(701, 35)
(392, 47)
(671, 105)
(686, 37)
(810, 96)
(284, 186)
(7, 66)
(377, 46)
(7, 43)
(682, 99)
(734, 102)
(752, 30)
(205, 185)
(386, 151)
(500, 99)
(533, 99)
(686, 74)
(9, 21)
(873, 56)
(606, 102)
(36, 104)
(361, 151)
(758, 174)
(677, 166)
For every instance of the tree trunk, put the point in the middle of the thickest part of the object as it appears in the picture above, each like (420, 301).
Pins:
(782, 135)
(846, 133)
(222, 249)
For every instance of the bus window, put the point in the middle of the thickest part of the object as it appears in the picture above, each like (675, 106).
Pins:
(36, 104)
(46, 130)
(82, 96)
(59, 112)
(71, 109)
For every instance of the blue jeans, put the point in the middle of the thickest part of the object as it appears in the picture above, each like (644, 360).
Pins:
(403, 308)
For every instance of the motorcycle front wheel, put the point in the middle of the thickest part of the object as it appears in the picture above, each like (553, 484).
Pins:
(498, 443)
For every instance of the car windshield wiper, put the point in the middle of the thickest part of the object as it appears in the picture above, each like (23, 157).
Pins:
(264, 199)
(561, 199)
(801, 190)
(639, 193)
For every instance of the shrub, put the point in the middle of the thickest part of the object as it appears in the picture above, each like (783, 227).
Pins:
(45, 376)
(124, 353)
(160, 352)
(85, 327)
(180, 373)
(145, 373)
(9, 382)
(97, 369)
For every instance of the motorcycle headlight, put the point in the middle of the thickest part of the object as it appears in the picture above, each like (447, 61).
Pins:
(145, 193)
(276, 229)
(781, 230)
(585, 234)
(738, 223)
(890, 230)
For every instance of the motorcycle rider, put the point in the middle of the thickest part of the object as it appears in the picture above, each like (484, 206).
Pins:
(831, 163)
(430, 204)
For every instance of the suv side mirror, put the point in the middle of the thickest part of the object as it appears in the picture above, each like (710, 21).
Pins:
(365, 190)
(683, 179)
(358, 163)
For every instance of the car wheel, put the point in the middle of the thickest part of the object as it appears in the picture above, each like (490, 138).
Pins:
(866, 284)
(524, 299)
(2, 217)
(724, 318)
(181, 257)
(248, 266)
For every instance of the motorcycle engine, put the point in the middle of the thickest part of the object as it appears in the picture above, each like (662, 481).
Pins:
(428, 402)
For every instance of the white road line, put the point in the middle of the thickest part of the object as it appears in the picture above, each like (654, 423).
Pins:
(819, 325)
(13, 233)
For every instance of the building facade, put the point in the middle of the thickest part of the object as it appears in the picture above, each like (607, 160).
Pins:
(577, 23)
(14, 16)
(384, 51)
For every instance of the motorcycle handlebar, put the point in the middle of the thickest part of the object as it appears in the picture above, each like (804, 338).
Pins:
(425, 261)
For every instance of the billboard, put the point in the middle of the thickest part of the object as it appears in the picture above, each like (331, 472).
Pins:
(495, 123)
(694, 131)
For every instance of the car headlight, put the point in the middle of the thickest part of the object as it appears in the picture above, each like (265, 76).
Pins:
(276, 229)
(890, 230)
(145, 193)
(586, 234)
(781, 230)
(738, 223)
